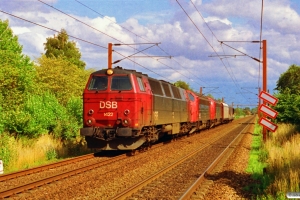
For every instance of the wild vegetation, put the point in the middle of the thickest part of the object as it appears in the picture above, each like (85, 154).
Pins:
(41, 112)
(288, 87)
(39, 100)
(275, 163)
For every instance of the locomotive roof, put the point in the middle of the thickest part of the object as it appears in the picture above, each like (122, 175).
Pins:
(120, 70)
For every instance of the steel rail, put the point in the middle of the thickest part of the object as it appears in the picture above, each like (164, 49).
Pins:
(34, 184)
(38, 183)
(190, 191)
(44, 167)
(130, 191)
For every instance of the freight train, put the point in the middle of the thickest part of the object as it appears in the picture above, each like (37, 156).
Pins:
(124, 109)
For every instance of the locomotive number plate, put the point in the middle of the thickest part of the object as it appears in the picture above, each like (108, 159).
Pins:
(108, 114)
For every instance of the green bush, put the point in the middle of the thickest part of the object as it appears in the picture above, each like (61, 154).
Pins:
(1, 121)
(288, 108)
(51, 154)
(46, 114)
(7, 152)
(75, 107)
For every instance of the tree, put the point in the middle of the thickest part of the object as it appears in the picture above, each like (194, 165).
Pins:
(182, 84)
(59, 46)
(288, 106)
(16, 78)
(289, 81)
(61, 78)
(247, 111)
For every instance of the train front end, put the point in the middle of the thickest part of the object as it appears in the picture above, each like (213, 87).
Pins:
(112, 111)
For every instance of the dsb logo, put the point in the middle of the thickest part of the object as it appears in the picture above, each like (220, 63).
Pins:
(108, 104)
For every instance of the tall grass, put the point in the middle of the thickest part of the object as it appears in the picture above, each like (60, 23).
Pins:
(23, 153)
(275, 164)
(284, 160)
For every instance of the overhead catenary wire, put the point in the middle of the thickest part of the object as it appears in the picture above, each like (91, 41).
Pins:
(206, 41)
(127, 56)
(80, 40)
(260, 39)
(88, 7)
(233, 76)
(52, 29)
(113, 38)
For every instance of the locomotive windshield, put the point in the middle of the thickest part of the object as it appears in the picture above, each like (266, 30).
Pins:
(98, 83)
(120, 83)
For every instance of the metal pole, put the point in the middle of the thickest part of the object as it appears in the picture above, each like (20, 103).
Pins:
(109, 56)
(264, 80)
(258, 112)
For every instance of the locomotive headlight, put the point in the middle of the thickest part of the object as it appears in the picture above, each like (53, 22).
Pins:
(109, 71)
(126, 122)
(126, 112)
(90, 121)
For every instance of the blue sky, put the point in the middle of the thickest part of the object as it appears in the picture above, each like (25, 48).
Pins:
(193, 48)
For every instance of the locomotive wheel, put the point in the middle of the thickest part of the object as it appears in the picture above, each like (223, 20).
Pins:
(132, 152)
(174, 138)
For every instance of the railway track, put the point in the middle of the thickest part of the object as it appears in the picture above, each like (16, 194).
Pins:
(107, 173)
(199, 188)
(37, 183)
(179, 179)
(6, 177)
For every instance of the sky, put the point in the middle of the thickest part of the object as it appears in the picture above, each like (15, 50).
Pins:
(206, 43)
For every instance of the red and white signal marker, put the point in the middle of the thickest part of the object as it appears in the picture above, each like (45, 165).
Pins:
(269, 98)
(268, 111)
(268, 124)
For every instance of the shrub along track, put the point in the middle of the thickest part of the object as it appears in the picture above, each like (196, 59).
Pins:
(106, 181)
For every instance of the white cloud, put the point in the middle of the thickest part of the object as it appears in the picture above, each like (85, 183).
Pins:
(20, 30)
(230, 20)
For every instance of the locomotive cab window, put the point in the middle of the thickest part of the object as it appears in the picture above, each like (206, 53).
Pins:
(191, 97)
(140, 82)
(98, 83)
(120, 83)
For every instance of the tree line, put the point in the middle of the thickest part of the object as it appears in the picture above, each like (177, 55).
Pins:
(45, 96)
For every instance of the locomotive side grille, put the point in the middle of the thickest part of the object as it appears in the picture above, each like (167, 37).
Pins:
(155, 86)
(176, 92)
(166, 89)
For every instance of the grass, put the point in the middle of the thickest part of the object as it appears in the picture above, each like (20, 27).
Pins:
(23, 153)
(275, 163)
(283, 160)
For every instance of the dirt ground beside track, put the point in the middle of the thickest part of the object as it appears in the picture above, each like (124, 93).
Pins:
(229, 183)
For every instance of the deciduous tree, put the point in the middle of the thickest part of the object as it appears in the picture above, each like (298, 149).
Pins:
(182, 84)
(61, 78)
(59, 46)
(16, 77)
(289, 81)
(288, 106)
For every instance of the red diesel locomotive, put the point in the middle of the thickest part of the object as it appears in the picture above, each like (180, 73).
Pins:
(124, 109)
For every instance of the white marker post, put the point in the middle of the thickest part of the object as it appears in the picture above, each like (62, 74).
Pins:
(1, 167)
